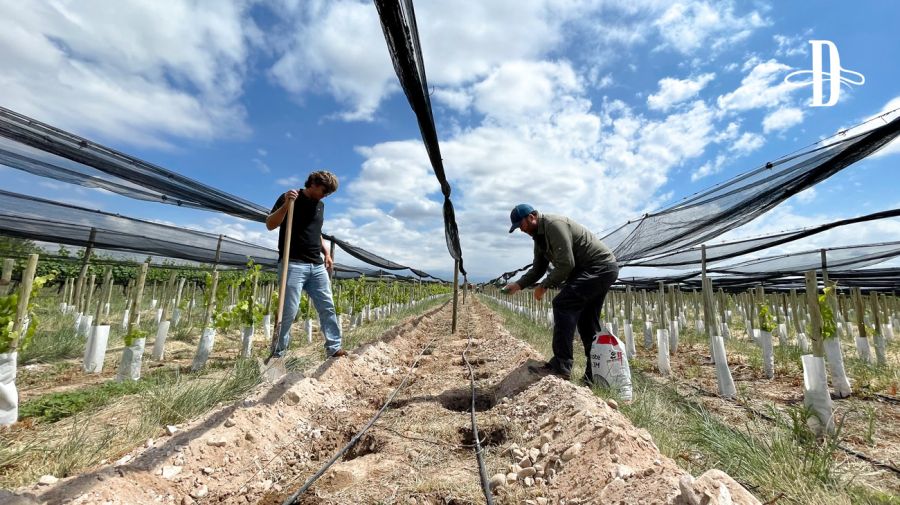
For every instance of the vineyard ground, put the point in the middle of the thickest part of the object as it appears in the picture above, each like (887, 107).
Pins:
(774, 461)
(71, 421)
(261, 449)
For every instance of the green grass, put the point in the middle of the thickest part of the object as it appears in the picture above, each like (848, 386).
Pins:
(49, 346)
(82, 442)
(784, 464)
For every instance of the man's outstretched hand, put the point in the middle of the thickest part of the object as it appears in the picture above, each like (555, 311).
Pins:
(511, 289)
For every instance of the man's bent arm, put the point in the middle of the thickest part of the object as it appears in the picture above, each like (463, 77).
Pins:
(275, 219)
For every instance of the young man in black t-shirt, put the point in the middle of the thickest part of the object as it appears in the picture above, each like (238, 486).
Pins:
(306, 268)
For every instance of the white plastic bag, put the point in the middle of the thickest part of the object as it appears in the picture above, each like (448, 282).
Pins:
(158, 316)
(246, 341)
(159, 345)
(723, 373)
(267, 327)
(125, 318)
(130, 366)
(85, 327)
(629, 340)
(803, 342)
(887, 330)
(609, 364)
(95, 351)
(673, 336)
(9, 395)
(815, 394)
(662, 352)
(782, 335)
(863, 350)
(768, 355)
(203, 349)
(648, 335)
(309, 329)
(839, 380)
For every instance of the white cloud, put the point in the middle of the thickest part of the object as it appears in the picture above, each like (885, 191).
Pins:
(457, 99)
(806, 196)
(673, 91)
(789, 46)
(692, 26)
(292, 181)
(524, 89)
(339, 46)
(261, 165)
(176, 71)
(600, 166)
(782, 119)
(709, 168)
(747, 143)
(764, 87)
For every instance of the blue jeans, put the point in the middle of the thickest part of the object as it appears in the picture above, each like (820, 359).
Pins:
(314, 280)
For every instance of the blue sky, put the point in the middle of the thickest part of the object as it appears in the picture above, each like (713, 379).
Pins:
(600, 110)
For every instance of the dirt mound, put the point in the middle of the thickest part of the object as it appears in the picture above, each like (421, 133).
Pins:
(547, 440)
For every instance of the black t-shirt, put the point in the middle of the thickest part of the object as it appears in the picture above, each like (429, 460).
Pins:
(306, 236)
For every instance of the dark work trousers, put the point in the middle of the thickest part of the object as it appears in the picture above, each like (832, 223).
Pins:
(578, 305)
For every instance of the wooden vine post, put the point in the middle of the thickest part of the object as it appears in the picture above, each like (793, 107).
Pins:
(455, 294)
(104, 290)
(24, 297)
(815, 315)
(6, 277)
(136, 301)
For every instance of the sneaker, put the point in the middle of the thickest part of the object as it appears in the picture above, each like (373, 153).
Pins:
(340, 353)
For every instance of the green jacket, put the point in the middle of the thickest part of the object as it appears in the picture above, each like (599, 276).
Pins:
(569, 247)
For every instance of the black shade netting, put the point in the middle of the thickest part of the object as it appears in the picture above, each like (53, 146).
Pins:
(857, 256)
(692, 257)
(41, 149)
(745, 197)
(38, 219)
(372, 258)
(398, 22)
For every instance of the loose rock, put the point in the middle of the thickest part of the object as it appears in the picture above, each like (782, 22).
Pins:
(47, 480)
(498, 480)
(571, 452)
(170, 471)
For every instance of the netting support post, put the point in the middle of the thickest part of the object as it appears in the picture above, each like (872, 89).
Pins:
(815, 315)
(705, 291)
(663, 324)
(465, 287)
(455, 294)
(136, 301)
(24, 296)
(6, 278)
(104, 293)
(218, 254)
(79, 286)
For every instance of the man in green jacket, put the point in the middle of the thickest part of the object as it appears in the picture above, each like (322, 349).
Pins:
(583, 267)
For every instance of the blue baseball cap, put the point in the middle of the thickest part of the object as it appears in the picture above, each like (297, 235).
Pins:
(518, 214)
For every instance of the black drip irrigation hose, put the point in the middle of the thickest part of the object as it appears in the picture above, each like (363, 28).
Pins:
(293, 497)
(479, 452)
(868, 459)
(888, 399)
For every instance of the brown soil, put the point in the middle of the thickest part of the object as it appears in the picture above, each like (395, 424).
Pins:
(564, 444)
